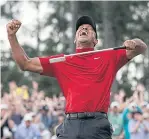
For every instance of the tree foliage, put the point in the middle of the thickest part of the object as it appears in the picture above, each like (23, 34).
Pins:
(116, 22)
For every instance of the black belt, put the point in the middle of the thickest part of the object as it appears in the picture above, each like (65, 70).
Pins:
(85, 115)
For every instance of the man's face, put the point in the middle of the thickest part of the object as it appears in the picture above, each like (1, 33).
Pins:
(85, 35)
(137, 116)
(13, 108)
(28, 123)
(44, 112)
(115, 109)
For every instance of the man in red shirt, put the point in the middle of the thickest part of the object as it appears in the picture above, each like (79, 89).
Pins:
(85, 80)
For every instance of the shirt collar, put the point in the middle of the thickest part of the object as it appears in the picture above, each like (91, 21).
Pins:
(79, 50)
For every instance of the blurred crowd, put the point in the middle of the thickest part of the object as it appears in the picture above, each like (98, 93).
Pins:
(129, 117)
(29, 114)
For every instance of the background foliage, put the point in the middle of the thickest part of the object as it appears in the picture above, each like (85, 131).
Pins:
(116, 22)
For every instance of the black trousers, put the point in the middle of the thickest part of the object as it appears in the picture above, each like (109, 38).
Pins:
(98, 127)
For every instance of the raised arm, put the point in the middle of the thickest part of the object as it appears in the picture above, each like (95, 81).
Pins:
(25, 63)
(134, 47)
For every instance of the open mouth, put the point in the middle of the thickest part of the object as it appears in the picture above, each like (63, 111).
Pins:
(83, 33)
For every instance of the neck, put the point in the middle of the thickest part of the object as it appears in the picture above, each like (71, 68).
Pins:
(84, 49)
(84, 45)
(115, 112)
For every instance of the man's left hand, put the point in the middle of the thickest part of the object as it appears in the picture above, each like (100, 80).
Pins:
(130, 44)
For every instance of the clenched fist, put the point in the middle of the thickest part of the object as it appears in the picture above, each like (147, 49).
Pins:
(130, 44)
(12, 27)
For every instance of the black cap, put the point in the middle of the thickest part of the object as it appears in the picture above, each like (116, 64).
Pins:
(86, 20)
(137, 111)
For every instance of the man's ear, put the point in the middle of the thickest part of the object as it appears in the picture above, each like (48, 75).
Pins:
(95, 41)
(75, 40)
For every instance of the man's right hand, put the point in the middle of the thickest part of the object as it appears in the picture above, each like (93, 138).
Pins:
(12, 27)
(25, 63)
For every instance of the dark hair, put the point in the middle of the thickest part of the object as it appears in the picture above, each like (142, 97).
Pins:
(45, 107)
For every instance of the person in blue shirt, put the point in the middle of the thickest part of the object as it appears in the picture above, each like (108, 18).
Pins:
(126, 116)
(136, 126)
(26, 130)
(45, 117)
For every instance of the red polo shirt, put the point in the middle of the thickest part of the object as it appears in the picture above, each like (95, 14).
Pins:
(86, 80)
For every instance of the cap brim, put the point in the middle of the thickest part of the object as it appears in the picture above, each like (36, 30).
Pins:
(134, 112)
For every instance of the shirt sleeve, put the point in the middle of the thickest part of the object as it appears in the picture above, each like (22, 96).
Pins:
(125, 115)
(48, 68)
(121, 58)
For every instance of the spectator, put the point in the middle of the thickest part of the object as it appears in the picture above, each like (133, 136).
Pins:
(115, 119)
(35, 119)
(12, 126)
(61, 118)
(22, 91)
(45, 133)
(18, 91)
(126, 116)
(26, 130)
(146, 124)
(136, 127)
(29, 104)
(15, 116)
(14, 107)
(46, 117)
(5, 115)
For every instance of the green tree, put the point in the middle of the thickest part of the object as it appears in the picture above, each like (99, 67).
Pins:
(116, 22)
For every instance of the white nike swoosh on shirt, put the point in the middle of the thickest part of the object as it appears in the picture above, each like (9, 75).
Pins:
(96, 57)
